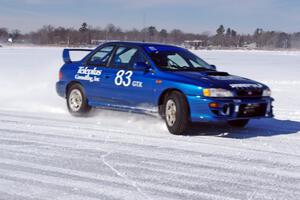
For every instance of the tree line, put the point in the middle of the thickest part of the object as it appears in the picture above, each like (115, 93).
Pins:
(90, 35)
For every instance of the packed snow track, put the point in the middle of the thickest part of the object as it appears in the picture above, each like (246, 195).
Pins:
(46, 154)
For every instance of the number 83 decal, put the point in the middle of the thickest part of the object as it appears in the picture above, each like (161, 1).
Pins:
(124, 78)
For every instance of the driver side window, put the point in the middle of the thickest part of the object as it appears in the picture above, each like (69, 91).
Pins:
(127, 57)
(101, 57)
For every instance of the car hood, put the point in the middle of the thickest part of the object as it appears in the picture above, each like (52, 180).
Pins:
(217, 79)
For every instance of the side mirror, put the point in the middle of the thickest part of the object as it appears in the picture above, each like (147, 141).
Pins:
(141, 66)
(214, 67)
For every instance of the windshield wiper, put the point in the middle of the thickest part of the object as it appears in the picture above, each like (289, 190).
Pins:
(186, 68)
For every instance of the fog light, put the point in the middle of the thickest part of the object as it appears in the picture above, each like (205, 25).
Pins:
(206, 92)
(214, 105)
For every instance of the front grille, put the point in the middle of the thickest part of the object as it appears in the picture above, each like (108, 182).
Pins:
(252, 110)
(249, 92)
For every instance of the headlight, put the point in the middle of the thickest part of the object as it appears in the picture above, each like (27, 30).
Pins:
(267, 92)
(217, 92)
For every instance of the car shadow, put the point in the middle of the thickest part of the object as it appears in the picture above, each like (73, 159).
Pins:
(256, 128)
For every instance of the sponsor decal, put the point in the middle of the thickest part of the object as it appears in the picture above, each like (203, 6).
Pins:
(137, 84)
(86, 74)
(245, 85)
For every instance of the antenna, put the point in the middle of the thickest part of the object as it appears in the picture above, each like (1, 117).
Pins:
(144, 26)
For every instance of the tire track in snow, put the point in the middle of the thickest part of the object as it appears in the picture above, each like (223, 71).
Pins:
(139, 146)
(143, 165)
(123, 134)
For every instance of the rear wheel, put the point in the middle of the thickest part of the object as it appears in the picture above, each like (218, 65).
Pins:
(77, 101)
(176, 113)
(238, 123)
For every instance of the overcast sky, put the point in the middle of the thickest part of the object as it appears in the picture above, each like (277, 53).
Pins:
(189, 15)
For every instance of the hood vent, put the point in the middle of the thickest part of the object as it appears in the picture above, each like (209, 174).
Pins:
(217, 74)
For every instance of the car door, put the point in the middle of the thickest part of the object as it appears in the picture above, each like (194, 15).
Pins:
(126, 86)
(91, 73)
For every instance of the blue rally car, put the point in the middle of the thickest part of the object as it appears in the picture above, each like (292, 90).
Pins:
(169, 80)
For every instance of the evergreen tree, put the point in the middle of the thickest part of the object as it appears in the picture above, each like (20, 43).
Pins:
(84, 27)
(85, 34)
(228, 32)
(221, 30)
(219, 38)
(163, 33)
(233, 33)
(152, 31)
(258, 37)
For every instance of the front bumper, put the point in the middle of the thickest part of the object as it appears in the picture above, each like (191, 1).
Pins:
(229, 108)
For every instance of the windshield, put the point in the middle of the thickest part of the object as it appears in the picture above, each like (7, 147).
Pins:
(178, 59)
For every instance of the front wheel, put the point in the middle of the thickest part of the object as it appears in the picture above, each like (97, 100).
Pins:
(241, 123)
(176, 113)
(77, 101)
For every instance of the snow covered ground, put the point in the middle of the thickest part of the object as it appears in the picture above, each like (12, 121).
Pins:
(47, 154)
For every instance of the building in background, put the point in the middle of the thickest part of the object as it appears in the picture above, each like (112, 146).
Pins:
(194, 44)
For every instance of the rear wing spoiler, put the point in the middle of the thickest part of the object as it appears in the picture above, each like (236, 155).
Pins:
(66, 54)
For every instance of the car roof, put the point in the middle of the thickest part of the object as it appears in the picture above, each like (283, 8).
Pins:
(148, 47)
(142, 44)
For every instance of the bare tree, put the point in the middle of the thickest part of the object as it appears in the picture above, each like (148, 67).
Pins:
(87, 34)
(163, 34)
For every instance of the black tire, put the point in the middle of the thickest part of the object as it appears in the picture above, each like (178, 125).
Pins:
(84, 107)
(161, 111)
(181, 121)
(240, 123)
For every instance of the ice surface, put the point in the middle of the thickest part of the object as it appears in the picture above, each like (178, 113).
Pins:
(48, 154)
